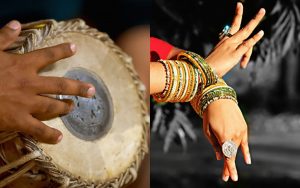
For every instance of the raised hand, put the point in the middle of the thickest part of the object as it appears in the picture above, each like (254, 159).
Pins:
(238, 48)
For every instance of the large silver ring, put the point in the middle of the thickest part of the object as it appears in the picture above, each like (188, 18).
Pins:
(229, 149)
(225, 32)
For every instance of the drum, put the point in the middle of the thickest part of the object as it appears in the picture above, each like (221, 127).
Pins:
(105, 137)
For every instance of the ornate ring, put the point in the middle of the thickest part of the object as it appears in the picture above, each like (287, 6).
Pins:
(229, 149)
(225, 32)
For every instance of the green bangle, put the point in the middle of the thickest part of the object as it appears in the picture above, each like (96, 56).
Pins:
(222, 92)
(210, 74)
(210, 77)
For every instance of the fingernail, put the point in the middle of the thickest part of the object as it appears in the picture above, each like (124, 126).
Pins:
(91, 92)
(262, 10)
(234, 177)
(238, 5)
(73, 47)
(59, 138)
(218, 156)
(261, 32)
(225, 178)
(14, 25)
(248, 159)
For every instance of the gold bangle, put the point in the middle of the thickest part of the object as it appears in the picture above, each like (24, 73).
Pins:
(186, 81)
(175, 84)
(190, 83)
(182, 80)
(161, 97)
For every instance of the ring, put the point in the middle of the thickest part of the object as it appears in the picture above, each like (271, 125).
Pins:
(229, 149)
(225, 32)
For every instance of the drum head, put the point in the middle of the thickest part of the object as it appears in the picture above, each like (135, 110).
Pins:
(104, 137)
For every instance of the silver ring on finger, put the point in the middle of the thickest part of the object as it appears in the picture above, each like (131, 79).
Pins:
(225, 32)
(229, 149)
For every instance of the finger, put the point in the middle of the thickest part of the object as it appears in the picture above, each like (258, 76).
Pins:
(40, 131)
(237, 20)
(248, 44)
(9, 34)
(230, 163)
(43, 57)
(245, 149)
(226, 173)
(64, 86)
(246, 58)
(211, 138)
(46, 108)
(245, 32)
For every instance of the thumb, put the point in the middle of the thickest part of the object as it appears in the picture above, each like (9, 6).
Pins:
(9, 34)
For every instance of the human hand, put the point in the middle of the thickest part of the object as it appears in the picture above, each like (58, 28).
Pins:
(224, 121)
(229, 51)
(22, 104)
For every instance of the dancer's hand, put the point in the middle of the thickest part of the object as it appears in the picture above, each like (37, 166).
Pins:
(224, 121)
(229, 51)
(22, 105)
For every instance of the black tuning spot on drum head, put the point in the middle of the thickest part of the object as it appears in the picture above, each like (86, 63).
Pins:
(93, 116)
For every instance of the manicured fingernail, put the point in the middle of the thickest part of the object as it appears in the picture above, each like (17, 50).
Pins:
(73, 47)
(262, 10)
(261, 32)
(248, 159)
(234, 177)
(91, 92)
(14, 25)
(225, 178)
(218, 156)
(59, 138)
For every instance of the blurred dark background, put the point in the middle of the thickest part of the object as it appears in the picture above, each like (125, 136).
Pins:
(268, 92)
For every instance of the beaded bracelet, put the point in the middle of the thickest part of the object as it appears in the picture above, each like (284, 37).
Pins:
(223, 92)
(208, 75)
(182, 81)
(214, 92)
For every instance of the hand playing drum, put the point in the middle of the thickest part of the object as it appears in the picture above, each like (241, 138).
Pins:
(23, 103)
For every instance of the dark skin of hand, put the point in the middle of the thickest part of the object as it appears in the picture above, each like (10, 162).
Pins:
(23, 104)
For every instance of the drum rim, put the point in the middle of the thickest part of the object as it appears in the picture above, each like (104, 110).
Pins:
(35, 33)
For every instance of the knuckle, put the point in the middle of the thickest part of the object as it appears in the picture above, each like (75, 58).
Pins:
(232, 169)
(50, 54)
(67, 49)
(227, 43)
(66, 108)
(60, 86)
(243, 131)
(49, 108)
(24, 83)
(247, 29)
(82, 91)
(235, 25)
(244, 143)
(207, 133)
(39, 131)
(6, 35)
(246, 45)
(237, 134)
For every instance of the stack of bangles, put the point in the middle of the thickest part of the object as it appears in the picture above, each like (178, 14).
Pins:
(191, 79)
